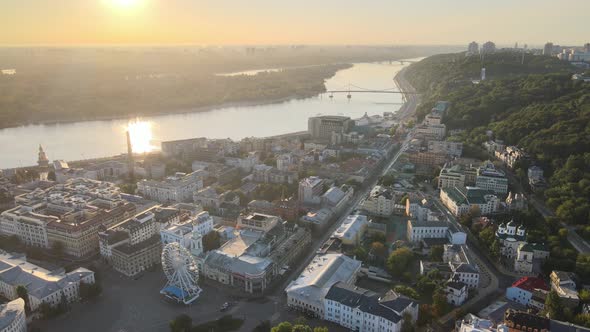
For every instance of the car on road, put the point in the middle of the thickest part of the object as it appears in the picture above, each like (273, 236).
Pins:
(225, 306)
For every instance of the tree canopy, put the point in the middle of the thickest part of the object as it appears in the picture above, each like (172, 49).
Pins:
(535, 105)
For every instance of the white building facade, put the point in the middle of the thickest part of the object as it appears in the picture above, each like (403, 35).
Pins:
(174, 189)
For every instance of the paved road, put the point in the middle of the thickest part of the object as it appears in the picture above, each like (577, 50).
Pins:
(491, 279)
(135, 305)
(408, 109)
(573, 237)
(352, 206)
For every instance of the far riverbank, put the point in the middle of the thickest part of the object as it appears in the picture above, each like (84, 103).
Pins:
(95, 139)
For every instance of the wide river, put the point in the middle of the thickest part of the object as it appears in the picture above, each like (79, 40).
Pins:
(91, 139)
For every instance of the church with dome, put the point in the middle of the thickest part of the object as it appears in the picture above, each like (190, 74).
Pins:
(514, 247)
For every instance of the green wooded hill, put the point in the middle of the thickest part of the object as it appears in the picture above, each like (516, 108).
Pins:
(535, 105)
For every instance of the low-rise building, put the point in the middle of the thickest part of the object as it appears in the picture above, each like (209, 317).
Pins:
(451, 176)
(460, 200)
(434, 229)
(188, 231)
(520, 321)
(250, 261)
(211, 199)
(380, 202)
(336, 198)
(317, 218)
(13, 317)
(511, 236)
(472, 323)
(453, 149)
(307, 293)
(245, 164)
(514, 246)
(70, 214)
(457, 266)
(311, 190)
(516, 202)
(43, 286)
(523, 289)
(178, 188)
(134, 245)
(433, 131)
(425, 158)
(510, 155)
(352, 230)
(489, 178)
(104, 171)
(523, 262)
(457, 292)
(534, 173)
(362, 310)
(565, 286)
(322, 127)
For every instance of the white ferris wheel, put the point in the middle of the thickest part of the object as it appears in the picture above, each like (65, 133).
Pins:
(182, 272)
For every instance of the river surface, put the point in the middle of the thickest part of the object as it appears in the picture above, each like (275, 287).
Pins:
(92, 139)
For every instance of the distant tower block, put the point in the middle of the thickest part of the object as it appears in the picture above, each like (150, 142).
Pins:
(43, 163)
(483, 74)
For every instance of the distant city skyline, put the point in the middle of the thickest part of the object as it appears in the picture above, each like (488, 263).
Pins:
(221, 22)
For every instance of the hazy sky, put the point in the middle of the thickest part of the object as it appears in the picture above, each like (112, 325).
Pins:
(293, 21)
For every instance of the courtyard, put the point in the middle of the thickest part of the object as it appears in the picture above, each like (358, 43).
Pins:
(136, 305)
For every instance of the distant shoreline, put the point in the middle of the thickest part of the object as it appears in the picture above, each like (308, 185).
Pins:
(198, 109)
(406, 110)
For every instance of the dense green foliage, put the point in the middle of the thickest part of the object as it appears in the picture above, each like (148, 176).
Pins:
(407, 291)
(399, 261)
(441, 73)
(23, 293)
(535, 105)
(211, 241)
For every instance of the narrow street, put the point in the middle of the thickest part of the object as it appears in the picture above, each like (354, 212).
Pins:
(573, 237)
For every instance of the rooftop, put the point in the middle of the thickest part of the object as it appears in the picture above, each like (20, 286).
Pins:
(351, 226)
(324, 271)
(15, 270)
(530, 284)
(9, 311)
(467, 195)
(388, 307)
(311, 181)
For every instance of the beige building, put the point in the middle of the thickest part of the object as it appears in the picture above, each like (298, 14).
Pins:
(451, 176)
(322, 127)
(380, 202)
(178, 188)
(132, 259)
(258, 253)
(70, 214)
(460, 200)
(133, 245)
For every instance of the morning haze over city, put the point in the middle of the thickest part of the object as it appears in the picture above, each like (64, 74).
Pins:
(294, 166)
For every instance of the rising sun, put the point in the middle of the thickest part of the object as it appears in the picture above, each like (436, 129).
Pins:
(123, 3)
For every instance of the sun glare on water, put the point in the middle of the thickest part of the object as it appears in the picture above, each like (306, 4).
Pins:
(140, 133)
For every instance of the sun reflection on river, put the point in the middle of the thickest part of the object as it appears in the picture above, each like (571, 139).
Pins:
(140, 133)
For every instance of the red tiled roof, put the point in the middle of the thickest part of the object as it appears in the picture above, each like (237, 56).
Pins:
(530, 284)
